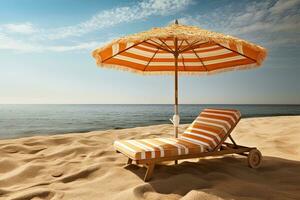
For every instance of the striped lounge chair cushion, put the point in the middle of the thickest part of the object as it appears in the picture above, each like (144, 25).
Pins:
(157, 147)
(211, 126)
(204, 134)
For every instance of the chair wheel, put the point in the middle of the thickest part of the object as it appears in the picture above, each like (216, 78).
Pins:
(254, 158)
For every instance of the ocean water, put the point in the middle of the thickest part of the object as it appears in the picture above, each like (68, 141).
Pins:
(28, 120)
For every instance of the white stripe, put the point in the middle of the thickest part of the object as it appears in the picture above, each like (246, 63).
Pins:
(172, 64)
(115, 48)
(236, 113)
(225, 129)
(129, 44)
(145, 147)
(195, 141)
(186, 55)
(143, 154)
(148, 54)
(155, 40)
(240, 48)
(207, 54)
(170, 43)
(206, 131)
(209, 62)
(172, 143)
(117, 143)
(201, 136)
(205, 48)
(155, 45)
(147, 47)
(219, 114)
(218, 120)
(201, 146)
(129, 59)
(162, 152)
(225, 44)
(186, 149)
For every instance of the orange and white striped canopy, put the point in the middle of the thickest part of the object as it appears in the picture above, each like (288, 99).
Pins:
(195, 50)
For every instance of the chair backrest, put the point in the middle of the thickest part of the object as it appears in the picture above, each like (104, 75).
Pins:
(211, 127)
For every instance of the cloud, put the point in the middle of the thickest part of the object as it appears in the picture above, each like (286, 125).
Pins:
(267, 22)
(119, 15)
(80, 46)
(24, 28)
(36, 37)
(8, 43)
(282, 6)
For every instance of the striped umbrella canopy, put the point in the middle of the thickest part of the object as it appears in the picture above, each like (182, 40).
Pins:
(179, 49)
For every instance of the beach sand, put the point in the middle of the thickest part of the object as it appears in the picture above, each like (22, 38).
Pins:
(85, 166)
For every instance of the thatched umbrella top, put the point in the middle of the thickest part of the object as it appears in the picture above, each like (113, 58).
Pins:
(186, 36)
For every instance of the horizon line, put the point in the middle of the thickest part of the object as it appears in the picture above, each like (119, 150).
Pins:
(150, 104)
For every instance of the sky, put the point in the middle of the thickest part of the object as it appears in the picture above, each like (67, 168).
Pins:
(45, 51)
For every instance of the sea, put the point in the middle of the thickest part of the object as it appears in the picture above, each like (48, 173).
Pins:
(29, 120)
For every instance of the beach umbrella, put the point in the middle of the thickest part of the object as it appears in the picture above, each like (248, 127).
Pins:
(179, 49)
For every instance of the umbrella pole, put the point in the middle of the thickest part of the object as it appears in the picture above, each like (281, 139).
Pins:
(176, 121)
(176, 116)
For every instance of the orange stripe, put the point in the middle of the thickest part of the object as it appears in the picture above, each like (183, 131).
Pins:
(207, 50)
(193, 148)
(172, 59)
(122, 46)
(106, 53)
(229, 64)
(203, 133)
(211, 128)
(156, 150)
(136, 56)
(154, 46)
(206, 127)
(125, 63)
(217, 117)
(204, 45)
(149, 50)
(250, 52)
(232, 46)
(144, 58)
(164, 68)
(225, 113)
(137, 149)
(227, 55)
(215, 122)
(208, 142)
(164, 145)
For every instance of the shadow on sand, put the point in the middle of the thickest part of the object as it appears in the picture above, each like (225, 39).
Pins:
(226, 177)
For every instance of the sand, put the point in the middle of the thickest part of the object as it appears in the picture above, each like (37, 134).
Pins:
(85, 166)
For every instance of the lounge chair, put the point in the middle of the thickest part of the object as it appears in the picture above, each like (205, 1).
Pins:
(204, 137)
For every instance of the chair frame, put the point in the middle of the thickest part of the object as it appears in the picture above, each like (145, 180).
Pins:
(223, 148)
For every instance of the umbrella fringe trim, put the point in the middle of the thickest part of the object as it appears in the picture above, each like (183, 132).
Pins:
(184, 33)
(188, 73)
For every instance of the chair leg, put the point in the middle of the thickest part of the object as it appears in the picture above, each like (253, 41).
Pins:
(176, 162)
(149, 172)
(233, 142)
(129, 162)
